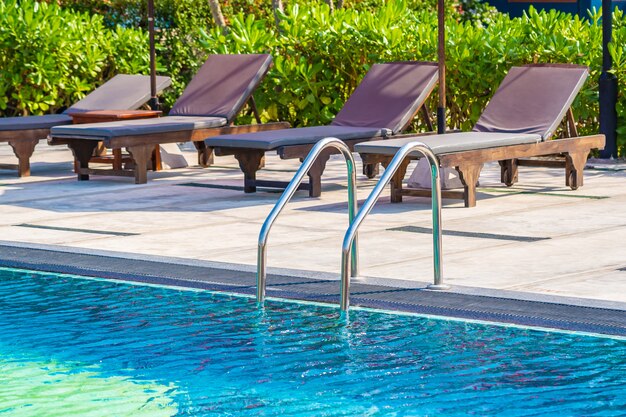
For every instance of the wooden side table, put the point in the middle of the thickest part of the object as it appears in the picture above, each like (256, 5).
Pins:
(117, 159)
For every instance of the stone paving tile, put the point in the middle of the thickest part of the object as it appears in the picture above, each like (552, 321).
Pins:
(525, 266)
(609, 280)
(132, 221)
(31, 235)
(207, 242)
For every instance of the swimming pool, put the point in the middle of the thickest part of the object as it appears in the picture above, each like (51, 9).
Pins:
(71, 346)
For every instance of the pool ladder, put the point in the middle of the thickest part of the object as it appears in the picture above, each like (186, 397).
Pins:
(349, 250)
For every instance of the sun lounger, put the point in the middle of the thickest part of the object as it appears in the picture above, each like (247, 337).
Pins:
(517, 123)
(207, 107)
(384, 103)
(122, 92)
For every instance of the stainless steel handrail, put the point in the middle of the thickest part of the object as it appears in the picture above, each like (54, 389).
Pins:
(288, 194)
(352, 231)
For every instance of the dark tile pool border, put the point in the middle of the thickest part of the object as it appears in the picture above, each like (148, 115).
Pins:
(504, 309)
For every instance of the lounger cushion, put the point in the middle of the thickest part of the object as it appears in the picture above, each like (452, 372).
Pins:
(34, 122)
(137, 127)
(449, 143)
(533, 99)
(389, 95)
(122, 92)
(299, 136)
(222, 85)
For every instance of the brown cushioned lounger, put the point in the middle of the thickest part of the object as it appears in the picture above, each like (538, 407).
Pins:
(122, 92)
(517, 123)
(207, 107)
(383, 104)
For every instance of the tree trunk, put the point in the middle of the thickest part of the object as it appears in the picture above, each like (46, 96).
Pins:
(277, 5)
(331, 5)
(340, 4)
(218, 17)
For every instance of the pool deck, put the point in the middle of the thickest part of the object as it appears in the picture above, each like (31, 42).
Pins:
(537, 240)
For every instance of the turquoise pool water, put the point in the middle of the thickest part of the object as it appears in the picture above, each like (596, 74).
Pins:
(71, 346)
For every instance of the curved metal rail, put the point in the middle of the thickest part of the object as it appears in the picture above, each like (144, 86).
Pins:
(352, 231)
(288, 194)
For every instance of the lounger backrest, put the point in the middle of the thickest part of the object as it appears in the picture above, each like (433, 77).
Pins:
(122, 92)
(533, 99)
(222, 86)
(389, 95)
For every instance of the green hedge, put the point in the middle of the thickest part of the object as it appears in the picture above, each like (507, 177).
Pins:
(320, 58)
(178, 24)
(51, 57)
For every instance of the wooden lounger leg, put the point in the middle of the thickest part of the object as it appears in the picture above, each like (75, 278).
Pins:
(396, 180)
(574, 166)
(23, 150)
(469, 173)
(370, 170)
(250, 162)
(315, 173)
(117, 159)
(142, 155)
(508, 171)
(83, 151)
(155, 158)
(205, 154)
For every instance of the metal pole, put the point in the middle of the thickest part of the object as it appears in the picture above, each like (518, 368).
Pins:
(352, 231)
(608, 86)
(441, 57)
(154, 100)
(288, 194)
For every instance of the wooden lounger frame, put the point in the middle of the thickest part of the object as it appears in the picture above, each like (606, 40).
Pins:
(23, 143)
(570, 153)
(252, 160)
(141, 147)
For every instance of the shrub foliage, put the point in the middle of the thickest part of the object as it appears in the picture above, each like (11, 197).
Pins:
(50, 56)
(321, 57)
